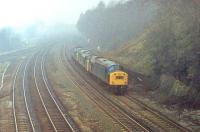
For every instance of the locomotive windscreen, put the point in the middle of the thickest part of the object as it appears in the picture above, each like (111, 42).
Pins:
(114, 68)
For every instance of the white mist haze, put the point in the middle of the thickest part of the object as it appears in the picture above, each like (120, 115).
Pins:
(20, 13)
(29, 22)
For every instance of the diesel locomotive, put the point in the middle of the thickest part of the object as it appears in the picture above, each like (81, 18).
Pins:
(109, 72)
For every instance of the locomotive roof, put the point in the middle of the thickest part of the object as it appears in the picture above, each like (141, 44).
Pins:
(105, 62)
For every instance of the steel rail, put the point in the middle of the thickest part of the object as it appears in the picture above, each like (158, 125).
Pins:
(25, 96)
(48, 89)
(108, 101)
(2, 78)
(48, 115)
(13, 98)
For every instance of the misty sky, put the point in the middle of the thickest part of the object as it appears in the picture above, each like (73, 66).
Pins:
(18, 13)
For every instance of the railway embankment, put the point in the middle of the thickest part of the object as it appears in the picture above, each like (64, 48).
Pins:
(163, 47)
(164, 59)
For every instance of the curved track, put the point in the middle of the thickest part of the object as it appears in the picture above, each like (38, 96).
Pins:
(157, 117)
(45, 113)
(54, 110)
(153, 119)
(21, 110)
(2, 78)
(121, 117)
(36, 106)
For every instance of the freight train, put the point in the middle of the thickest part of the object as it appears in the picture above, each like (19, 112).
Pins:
(105, 70)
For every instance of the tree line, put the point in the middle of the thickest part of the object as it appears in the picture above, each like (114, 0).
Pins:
(113, 25)
(9, 40)
(170, 44)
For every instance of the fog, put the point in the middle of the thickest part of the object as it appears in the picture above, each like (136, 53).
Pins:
(22, 13)
(24, 23)
(144, 52)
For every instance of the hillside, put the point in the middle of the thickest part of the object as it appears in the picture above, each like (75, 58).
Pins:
(168, 52)
(110, 26)
(159, 39)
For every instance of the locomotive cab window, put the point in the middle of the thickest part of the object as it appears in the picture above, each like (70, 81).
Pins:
(114, 68)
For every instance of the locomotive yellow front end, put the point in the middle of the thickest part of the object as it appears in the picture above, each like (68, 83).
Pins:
(118, 80)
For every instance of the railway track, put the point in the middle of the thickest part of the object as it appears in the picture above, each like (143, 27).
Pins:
(121, 117)
(3, 75)
(59, 119)
(21, 111)
(26, 116)
(6, 118)
(154, 119)
(128, 117)
(157, 117)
